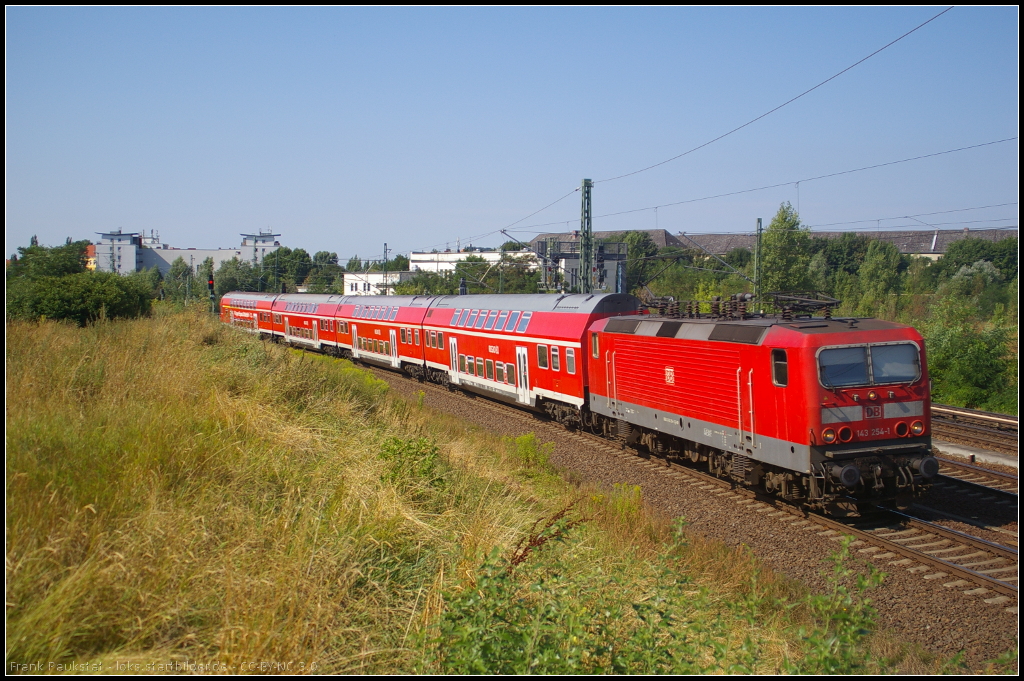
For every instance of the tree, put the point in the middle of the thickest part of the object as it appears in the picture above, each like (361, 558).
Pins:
(639, 247)
(354, 264)
(879, 278)
(786, 252)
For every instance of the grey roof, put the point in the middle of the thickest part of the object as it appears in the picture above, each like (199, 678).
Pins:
(661, 237)
(542, 302)
(917, 242)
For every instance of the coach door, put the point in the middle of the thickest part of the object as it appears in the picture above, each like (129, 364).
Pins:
(523, 387)
(395, 361)
(355, 342)
(453, 366)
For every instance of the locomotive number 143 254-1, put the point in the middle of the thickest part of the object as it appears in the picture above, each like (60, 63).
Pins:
(873, 432)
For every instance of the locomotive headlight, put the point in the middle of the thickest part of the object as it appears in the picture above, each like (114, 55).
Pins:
(916, 427)
(872, 395)
(829, 436)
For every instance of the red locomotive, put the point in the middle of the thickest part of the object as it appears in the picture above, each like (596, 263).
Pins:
(815, 410)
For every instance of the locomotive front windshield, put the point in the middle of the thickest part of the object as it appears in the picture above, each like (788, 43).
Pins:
(868, 365)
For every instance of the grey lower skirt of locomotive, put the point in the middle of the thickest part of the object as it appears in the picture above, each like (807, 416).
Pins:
(843, 476)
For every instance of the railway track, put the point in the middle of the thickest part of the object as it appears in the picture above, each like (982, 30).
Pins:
(983, 479)
(889, 538)
(986, 430)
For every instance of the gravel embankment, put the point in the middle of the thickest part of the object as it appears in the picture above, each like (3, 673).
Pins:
(941, 620)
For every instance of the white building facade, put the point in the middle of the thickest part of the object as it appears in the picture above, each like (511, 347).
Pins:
(373, 283)
(124, 252)
(447, 261)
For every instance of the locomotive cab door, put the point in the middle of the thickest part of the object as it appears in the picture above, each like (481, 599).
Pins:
(453, 366)
(395, 361)
(523, 381)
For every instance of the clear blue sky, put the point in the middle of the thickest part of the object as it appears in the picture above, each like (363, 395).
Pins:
(344, 128)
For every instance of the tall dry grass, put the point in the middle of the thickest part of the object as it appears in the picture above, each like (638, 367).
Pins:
(178, 491)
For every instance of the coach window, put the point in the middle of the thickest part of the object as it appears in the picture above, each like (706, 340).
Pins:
(416, 336)
(490, 369)
(479, 366)
(387, 347)
(490, 320)
(277, 319)
(480, 320)
(513, 318)
(542, 356)
(462, 363)
(433, 339)
(462, 318)
(780, 368)
(470, 365)
(455, 318)
(524, 322)
(440, 340)
(510, 374)
(402, 332)
(472, 318)
(394, 313)
(555, 363)
(500, 324)
(570, 360)
(499, 372)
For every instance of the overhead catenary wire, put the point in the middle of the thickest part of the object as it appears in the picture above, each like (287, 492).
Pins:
(780, 106)
(789, 182)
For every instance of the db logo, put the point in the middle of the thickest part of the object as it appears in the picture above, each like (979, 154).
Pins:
(873, 412)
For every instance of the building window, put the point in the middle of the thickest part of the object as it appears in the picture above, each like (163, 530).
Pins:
(555, 363)
(542, 356)
(570, 360)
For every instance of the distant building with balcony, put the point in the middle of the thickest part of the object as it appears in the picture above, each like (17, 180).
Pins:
(124, 252)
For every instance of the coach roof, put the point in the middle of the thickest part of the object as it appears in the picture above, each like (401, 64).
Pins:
(584, 303)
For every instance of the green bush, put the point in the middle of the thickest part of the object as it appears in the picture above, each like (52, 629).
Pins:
(82, 298)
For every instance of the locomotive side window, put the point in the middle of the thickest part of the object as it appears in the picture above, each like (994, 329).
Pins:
(780, 368)
(513, 318)
(570, 360)
(499, 372)
(594, 351)
(843, 366)
(555, 364)
(542, 356)
(895, 363)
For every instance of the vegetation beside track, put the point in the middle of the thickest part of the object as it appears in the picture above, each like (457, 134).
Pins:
(182, 496)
